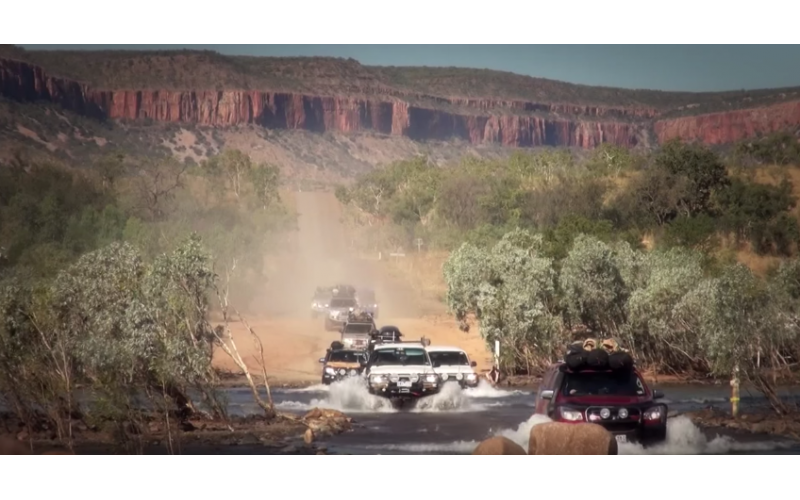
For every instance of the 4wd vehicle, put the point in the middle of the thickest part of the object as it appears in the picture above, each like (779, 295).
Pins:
(321, 300)
(401, 370)
(598, 387)
(453, 365)
(367, 301)
(338, 310)
(357, 330)
(339, 364)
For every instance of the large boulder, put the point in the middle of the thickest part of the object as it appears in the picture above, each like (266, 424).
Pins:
(498, 446)
(559, 438)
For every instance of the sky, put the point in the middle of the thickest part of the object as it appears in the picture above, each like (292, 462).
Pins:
(664, 67)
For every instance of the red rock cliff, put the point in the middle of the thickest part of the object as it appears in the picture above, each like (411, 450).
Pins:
(730, 126)
(511, 123)
(506, 122)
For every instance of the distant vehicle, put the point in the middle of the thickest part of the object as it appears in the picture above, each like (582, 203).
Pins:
(321, 300)
(453, 364)
(367, 301)
(338, 310)
(605, 389)
(357, 330)
(401, 370)
(339, 364)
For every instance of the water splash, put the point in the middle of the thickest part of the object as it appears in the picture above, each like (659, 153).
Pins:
(349, 395)
(686, 438)
(450, 398)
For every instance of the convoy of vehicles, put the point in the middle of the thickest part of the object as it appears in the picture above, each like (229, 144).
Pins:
(452, 364)
(595, 383)
(611, 394)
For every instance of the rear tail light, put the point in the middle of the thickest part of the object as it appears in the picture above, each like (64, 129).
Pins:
(570, 415)
(654, 414)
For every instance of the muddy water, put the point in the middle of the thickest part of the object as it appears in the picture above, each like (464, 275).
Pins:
(454, 421)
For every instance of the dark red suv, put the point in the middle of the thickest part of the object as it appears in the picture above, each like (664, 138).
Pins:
(619, 400)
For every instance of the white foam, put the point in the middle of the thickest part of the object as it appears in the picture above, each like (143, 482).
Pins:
(685, 438)
(450, 398)
(487, 391)
(348, 395)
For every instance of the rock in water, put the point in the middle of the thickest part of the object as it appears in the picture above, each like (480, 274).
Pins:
(308, 436)
(559, 438)
(498, 445)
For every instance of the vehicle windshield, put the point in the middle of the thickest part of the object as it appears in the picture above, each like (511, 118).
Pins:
(602, 384)
(342, 303)
(357, 328)
(449, 358)
(409, 356)
(346, 357)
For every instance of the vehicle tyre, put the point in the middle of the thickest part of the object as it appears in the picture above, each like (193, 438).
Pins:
(576, 360)
(620, 360)
(597, 359)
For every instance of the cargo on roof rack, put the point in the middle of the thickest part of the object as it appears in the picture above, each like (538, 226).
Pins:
(586, 355)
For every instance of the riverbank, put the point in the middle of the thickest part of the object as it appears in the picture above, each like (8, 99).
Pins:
(283, 435)
(754, 422)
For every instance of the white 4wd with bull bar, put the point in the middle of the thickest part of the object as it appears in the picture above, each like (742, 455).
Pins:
(401, 370)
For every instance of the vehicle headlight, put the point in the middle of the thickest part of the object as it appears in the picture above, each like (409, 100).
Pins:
(377, 379)
(459, 376)
(654, 413)
(605, 413)
(353, 372)
(431, 379)
(394, 379)
(622, 413)
(414, 378)
(571, 415)
(330, 371)
(471, 376)
(342, 371)
(444, 377)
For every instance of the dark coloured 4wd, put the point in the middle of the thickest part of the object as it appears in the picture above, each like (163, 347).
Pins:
(616, 398)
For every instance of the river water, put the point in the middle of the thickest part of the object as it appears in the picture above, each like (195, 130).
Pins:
(455, 421)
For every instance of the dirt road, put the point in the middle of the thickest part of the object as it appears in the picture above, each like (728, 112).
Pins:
(293, 342)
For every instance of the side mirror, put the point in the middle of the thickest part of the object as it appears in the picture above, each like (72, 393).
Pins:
(321, 360)
(657, 394)
(546, 394)
(473, 364)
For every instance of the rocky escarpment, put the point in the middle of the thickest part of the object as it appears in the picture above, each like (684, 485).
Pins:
(510, 122)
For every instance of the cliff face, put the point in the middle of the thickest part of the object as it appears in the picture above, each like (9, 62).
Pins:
(730, 126)
(506, 122)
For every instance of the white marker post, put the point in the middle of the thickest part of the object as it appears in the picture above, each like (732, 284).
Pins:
(497, 353)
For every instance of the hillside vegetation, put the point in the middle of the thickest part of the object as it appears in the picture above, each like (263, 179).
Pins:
(548, 247)
(108, 276)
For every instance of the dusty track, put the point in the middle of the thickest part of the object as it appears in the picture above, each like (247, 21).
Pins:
(319, 255)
